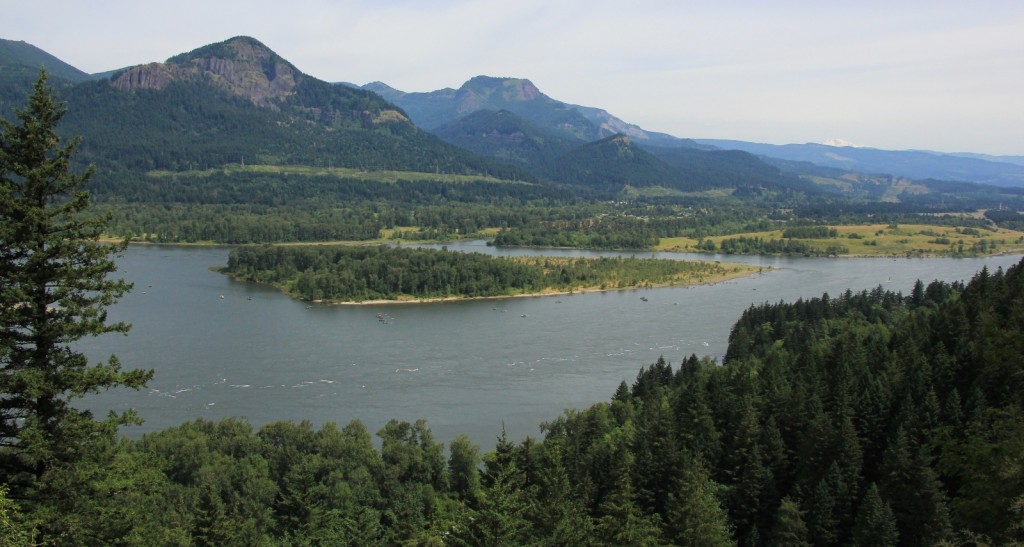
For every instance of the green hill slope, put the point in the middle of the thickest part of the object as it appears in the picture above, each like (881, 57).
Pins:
(239, 102)
(506, 137)
(19, 67)
(612, 163)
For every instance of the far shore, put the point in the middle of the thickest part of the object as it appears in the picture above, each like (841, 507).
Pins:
(679, 249)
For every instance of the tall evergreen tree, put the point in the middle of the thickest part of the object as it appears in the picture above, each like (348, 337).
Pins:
(789, 529)
(694, 514)
(54, 290)
(876, 524)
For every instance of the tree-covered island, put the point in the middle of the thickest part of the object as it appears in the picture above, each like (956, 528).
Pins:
(383, 273)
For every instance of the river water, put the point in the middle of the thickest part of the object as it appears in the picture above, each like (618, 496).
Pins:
(222, 348)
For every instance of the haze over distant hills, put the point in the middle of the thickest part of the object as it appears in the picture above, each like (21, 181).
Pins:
(519, 96)
(437, 110)
(915, 164)
(238, 101)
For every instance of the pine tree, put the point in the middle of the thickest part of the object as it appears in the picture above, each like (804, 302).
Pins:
(695, 516)
(54, 290)
(790, 530)
(463, 476)
(876, 524)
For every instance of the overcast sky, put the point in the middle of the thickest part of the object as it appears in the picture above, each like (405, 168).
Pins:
(904, 74)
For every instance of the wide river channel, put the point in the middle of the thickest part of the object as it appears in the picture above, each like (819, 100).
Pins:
(222, 348)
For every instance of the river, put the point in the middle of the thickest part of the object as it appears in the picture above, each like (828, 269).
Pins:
(222, 348)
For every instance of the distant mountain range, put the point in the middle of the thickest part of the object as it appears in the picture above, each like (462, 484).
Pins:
(239, 102)
(914, 164)
(434, 109)
(438, 110)
(510, 120)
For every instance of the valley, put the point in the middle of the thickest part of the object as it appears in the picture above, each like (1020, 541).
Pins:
(552, 250)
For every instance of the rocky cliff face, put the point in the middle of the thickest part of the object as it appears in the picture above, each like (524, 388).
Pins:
(241, 66)
(151, 76)
(244, 67)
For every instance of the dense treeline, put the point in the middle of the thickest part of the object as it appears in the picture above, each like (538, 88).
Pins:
(244, 208)
(810, 232)
(619, 232)
(635, 225)
(869, 418)
(353, 274)
(242, 224)
(380, 273)
(759, 245)
(1006, 219)
(283, 188)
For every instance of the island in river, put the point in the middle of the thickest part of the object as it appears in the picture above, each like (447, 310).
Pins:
(380, 274)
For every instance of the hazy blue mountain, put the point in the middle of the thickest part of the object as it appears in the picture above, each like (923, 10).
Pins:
(1016, 160)
(913, 164)
(706, 169)
(521, 97)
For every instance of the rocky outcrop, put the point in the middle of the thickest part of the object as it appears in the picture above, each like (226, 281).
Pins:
(151, 76)
(241, 66)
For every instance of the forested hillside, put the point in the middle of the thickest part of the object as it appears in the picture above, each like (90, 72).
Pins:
(19, 65)
(869, 418)
(239, 102)
(506, 137)
(230, 143)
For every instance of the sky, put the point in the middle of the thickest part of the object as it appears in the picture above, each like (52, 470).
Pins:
(907, 74)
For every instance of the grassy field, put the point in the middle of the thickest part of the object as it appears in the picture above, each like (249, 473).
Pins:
(889, 240)
(341, 173)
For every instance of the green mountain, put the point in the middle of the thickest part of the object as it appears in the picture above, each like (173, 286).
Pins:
(435, 109)
(613, 163)
(18, 54)
(239, 102)
(507, 137)
(19, 67)
(707, 169)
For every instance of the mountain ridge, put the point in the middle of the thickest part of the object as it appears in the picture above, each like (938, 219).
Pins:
(237, 99)
(521, 96)
(914, 164)
(24, 54)
(244, 68)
